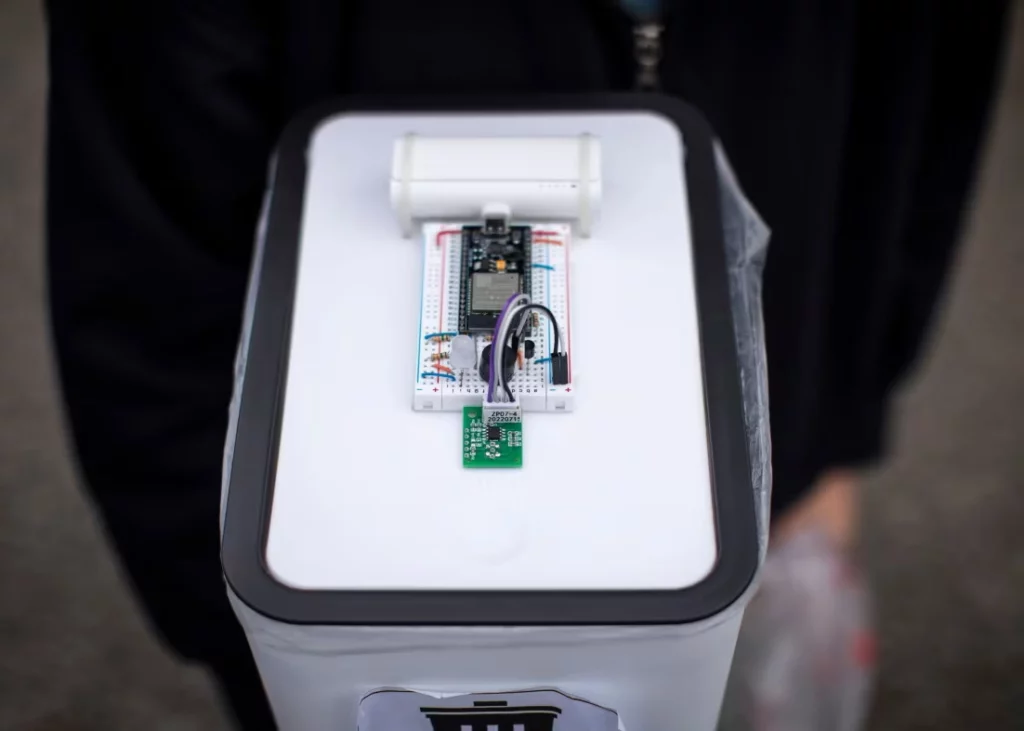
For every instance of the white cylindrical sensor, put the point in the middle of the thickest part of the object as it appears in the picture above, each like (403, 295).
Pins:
(539, 178)
(463, 353)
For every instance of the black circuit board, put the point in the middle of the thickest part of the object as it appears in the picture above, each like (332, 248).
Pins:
(496, 264)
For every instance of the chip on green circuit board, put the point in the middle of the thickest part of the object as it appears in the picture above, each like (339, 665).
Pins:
(479, 450)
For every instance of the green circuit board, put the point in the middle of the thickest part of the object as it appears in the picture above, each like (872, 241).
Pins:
(499, 445)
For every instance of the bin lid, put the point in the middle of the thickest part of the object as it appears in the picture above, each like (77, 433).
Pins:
(346, 506)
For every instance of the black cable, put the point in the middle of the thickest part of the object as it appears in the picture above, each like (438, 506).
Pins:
(513, 339)
(515, 330)
(551, 316)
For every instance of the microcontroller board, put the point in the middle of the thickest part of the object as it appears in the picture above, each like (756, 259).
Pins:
(496, 264)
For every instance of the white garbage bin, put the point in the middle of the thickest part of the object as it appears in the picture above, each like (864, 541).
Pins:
(612, 566)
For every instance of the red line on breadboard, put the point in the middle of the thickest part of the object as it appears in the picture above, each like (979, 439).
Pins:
(445, 232)
(444, 285)
(568, 311)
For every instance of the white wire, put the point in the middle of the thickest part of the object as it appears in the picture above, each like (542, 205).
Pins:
(498, 348)
(522, 305)
(499, 354)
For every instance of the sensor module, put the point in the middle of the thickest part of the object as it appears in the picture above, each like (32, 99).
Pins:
(497, 445)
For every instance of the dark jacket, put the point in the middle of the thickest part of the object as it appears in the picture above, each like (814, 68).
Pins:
(853, 125)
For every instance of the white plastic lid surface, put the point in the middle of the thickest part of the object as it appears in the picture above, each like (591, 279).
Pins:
(371, 495)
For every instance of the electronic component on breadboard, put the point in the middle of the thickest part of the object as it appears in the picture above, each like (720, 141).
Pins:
(559, 369)
(498, 444)
(463, 352)
(496, 264)
(466, 285)
(485, 363)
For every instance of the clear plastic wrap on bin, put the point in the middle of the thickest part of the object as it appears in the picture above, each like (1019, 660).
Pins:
(746, 247)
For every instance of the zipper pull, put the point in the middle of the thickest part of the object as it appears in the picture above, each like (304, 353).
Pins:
(647, 53)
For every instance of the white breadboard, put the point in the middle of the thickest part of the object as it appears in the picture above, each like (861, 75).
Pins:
(440, 390)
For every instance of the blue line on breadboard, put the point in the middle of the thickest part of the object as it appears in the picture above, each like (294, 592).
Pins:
(429, 374)
(423, 284)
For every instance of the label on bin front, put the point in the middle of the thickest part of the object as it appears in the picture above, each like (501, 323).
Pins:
(525, 710)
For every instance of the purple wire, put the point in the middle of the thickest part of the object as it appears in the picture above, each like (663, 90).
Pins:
(495, 347)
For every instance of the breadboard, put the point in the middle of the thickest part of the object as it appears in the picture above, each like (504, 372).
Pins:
(440, 390)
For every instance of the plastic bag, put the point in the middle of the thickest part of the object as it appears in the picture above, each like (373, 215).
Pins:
(746, 246)
(806, 652)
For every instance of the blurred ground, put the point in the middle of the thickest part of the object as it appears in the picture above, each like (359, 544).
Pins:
(943, 519)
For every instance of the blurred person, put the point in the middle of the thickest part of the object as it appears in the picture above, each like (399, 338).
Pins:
(853, 125)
